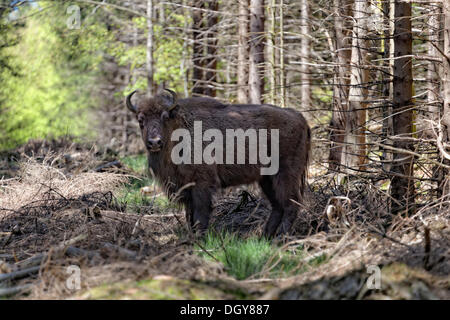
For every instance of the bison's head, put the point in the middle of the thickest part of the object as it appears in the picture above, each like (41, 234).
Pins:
(152, 115)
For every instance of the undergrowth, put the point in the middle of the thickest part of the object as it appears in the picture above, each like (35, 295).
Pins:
(131, 196)
(253, 257)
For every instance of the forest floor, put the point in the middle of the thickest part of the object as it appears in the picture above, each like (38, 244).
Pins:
(68, 209)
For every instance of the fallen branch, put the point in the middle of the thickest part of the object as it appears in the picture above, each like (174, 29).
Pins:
(19, 274)
(112, 164)
(125, 253)
(14, 290)
(37, 259)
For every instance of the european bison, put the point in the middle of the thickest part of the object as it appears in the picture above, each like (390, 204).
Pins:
(193, 167)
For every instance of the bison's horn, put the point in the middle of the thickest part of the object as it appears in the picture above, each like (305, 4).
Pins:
(129, 104)
(174, 99)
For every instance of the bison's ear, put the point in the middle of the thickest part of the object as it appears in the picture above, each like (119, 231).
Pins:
(168, 99)
(129, 104)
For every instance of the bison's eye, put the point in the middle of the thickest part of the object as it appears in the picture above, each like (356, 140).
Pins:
(141, 122)
(164, 116)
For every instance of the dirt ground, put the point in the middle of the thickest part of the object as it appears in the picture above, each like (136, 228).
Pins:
(58, 212)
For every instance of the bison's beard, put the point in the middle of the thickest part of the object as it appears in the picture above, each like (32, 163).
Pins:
(154, 150)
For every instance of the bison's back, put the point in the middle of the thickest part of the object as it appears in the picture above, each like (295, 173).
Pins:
(293, 131)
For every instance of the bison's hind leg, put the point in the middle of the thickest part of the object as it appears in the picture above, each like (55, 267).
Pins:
(276, 215)
(287, 190)
(283, 192)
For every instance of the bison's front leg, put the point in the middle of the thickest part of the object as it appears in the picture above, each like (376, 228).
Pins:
(200, 208)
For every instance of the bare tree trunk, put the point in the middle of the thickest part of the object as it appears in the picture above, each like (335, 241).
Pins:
(256, 67)
(433, 68)
(229, 53)
(282, 64)
(342, 9)
(197, 49)
(162, 14)
(271, 54)
(150, 35)
(305, 53)
(445, 122)
(211, 60)
(402, 182)
(388, 64)
(184, 59)
(355, 139)
(446, 80)
(242, 73)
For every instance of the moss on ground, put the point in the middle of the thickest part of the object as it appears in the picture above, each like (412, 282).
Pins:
(159, 288)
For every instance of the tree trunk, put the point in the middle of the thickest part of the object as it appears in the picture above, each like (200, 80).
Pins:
(355, 140)
(342, 9)
(162, 14)
(433, 68)
(388, 64)
(282, 64)
(256, 67)
(184, 59)
(271, 52)
(211, 60)
(197, 49)
(445, 130)
(242, 81)
(150, 35)
(305, 53)
(402, 182)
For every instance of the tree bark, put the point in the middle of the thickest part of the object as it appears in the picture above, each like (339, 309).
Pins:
(256, 67)
(198, 49)
(211, 60)
(387, 78)
(242, 72)
(162, 14)
(355, 140)
(184, 59)
(150, 35)
(446, 80)
(271, 52)
(305, 53)
(402, 182)
(445, 122)
(433, 67)
(342, 9)
(282, 56)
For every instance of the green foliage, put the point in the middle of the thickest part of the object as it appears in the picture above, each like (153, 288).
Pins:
(8, 39)
(324, 95)
(51, 96)
(253, 256)
(59, 68)
(168, 55)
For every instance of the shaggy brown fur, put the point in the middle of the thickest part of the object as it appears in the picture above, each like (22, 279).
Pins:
(161, 115)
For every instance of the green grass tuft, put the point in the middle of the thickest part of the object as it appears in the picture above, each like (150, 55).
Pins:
(244, 258)
(137, 163)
